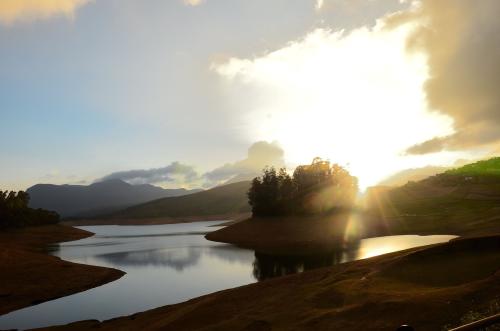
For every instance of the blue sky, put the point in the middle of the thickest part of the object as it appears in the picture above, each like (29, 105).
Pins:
(89, 88)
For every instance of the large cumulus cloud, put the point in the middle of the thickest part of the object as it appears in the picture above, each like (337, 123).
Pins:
(462, 41)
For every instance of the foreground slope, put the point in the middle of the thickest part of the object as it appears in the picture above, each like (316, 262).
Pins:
(30, 276)
(428, 287)
(97, 198)
(220, 200)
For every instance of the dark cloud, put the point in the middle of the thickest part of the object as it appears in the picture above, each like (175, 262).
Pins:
(175, 172)
(462, 41)
(260, 155)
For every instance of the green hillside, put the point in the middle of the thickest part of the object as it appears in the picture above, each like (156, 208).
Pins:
(488, 168)
(459, 201)
(221, 200)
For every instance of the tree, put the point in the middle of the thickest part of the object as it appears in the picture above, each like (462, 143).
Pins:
(317, 187)
(14, 211)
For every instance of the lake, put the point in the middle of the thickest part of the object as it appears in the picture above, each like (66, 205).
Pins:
(167, 264)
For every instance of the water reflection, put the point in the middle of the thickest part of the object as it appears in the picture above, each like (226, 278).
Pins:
(167, 264)
(178, 259)
(268, 266)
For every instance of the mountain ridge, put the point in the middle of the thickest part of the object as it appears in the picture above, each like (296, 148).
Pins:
(97, 198)
(225, 199)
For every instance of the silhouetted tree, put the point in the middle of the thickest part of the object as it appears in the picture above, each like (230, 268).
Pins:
(14, 211)
(317, 187)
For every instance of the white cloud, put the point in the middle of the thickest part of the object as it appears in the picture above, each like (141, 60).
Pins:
(26, 10)
(356, 98)
(175, 173)
(260, 155)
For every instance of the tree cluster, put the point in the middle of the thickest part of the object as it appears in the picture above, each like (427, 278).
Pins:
(14, 211)
(314, 188)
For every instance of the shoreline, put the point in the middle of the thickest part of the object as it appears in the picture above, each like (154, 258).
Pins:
(31, 276)
(286, 236)
(304, 235)
(426, 287)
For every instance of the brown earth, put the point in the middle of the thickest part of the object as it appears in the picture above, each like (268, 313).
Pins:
(430, 288)
(30, 276)
(316, 234)
(292, 235)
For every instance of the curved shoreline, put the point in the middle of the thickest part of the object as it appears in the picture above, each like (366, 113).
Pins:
(31, 276)
(425, 287)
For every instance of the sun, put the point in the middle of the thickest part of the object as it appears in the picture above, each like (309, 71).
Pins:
(355, 98)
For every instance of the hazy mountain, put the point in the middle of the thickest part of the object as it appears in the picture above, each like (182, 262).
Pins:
(225, 199)
(98, 198)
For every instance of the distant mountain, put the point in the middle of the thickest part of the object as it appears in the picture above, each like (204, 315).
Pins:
(220, 200)
(96, 199)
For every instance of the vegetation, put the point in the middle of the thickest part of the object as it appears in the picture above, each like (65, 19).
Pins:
(459, 201)
(490, 168)
(315, 188)
(14, 211)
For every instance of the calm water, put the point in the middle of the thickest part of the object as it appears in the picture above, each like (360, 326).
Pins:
(168, 264)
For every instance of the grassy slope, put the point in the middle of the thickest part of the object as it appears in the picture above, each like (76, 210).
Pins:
(463, 201)
(30, 276)
(490, 168)
(227, 199)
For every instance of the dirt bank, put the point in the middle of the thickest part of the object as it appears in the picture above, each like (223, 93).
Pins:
(430, 288)
(30, 276)
(312, 234)
(293, 235)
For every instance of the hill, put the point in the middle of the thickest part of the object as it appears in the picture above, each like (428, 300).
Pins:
(220, 200)
(97, 198)
(464, 200)
(486, 168)
(412, 175)
(454, 202)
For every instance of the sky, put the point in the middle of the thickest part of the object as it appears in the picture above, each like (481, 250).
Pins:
(195, 93)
